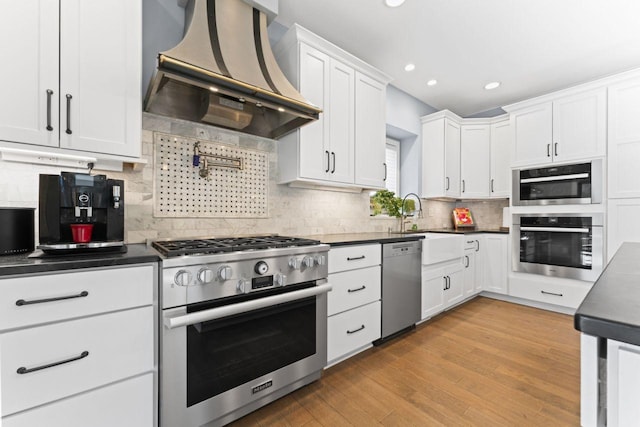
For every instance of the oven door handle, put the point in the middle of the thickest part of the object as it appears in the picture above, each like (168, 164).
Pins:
(243, 307)
(556, 229)
(555, 178)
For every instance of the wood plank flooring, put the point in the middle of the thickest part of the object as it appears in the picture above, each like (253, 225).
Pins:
(485, 363)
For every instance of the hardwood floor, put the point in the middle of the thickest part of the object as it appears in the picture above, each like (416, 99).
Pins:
(485, 363)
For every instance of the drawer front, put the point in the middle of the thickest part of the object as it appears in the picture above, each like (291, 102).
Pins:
(119, 345)
(352, 329)
(345, 258)
(564, 294)
(353, 289)
(125, 404)
(106, 290)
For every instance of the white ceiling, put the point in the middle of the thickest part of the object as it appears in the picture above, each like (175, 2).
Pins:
(531, 46)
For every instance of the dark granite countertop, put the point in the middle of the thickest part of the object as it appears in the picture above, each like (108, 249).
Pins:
(501, 230)
(611, 309)
(23, 264)
(345, 239)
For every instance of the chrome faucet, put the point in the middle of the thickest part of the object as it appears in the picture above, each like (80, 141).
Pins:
(402, 212)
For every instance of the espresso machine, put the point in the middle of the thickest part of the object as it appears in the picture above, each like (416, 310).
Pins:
(80, 200)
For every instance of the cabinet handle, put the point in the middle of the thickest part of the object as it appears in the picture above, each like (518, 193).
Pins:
(463, 186)
(68, 131)
(447, 185)
(551, 293)
(362, 288)
(477, 245)
(355, 258)
(355, 330)
(448, 282)
(328, 162)
(445, 283)
(548, 150)
(467, 261)
(555, 149)
(22, 302)
(492, 190)
(49, 93)
(385, 171)
(22, 370)
(333, 155)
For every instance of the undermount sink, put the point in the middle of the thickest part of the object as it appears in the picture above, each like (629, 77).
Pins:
(440, 247)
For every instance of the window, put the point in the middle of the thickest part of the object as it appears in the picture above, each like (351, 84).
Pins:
(392, 160)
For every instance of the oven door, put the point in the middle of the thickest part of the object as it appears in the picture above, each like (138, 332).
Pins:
(559, 185)
(226, 358)
(568, 245)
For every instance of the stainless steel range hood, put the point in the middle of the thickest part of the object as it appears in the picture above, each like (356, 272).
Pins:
(224, 73)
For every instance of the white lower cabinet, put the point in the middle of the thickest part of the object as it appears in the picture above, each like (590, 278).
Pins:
(495, 261)
(470, 262)
(353, 304)
(124, 404)
(442, 287)
(623, 384)
(73, 353)
(550, 290)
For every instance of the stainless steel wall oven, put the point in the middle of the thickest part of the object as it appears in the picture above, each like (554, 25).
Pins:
(241, 328)
(559, 185)
(560, 245)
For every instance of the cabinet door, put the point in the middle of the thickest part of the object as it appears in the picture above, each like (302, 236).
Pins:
(495, 262)
(470, 264)
(579, 126)
(455, 287)
(29, 83)
(315, 161)
(433, 284)
(341, 122)
(370, 132)
(100, 76)
(624, 139)
(532, 132)
(623, 384)
(433, 179)
(452, 158)
(620, 229)
(501, 137)
(475, 147)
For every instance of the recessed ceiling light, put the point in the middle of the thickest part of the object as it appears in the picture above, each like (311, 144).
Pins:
(281, 109)
(491, 85)
(393, 3)
(432, 82)
(213, 89)
(409, 67)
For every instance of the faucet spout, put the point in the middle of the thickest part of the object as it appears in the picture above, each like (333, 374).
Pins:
(402, 211)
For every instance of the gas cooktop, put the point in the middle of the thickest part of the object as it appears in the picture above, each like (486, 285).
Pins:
(173, 248)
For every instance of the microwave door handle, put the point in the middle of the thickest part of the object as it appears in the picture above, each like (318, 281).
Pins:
(555, 178)
(243, 307)
(556, 229)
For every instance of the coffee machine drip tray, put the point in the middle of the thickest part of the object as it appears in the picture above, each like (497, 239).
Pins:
(81, 248)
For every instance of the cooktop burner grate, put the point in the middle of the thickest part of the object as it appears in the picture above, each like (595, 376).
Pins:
(172, 248)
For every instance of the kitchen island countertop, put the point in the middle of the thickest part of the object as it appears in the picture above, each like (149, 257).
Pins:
(344, 239)
(24, 264)
(611, 309)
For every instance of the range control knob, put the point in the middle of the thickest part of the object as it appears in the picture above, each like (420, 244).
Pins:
(280, 279)
(205, 275)
(243, 286)
(183, 278)
(294, 263)
(225, 273)
(261, 268)
(308, 262)
(320, 260)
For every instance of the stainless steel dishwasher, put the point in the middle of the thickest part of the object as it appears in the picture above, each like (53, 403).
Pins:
(401, 287)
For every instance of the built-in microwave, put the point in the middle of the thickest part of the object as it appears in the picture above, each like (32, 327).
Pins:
(579, 183)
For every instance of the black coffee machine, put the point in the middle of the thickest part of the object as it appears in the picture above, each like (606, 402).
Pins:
(77, 198)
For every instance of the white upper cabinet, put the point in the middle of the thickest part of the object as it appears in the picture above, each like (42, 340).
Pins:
(475, 148)
(624, 139)
(501, 141)
(346, 146)
(570, 127)
(94, 103)
(441, 155)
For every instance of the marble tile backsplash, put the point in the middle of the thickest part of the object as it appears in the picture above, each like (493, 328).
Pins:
(292, 211)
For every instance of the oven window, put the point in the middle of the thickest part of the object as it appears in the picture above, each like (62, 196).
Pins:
(225, 353)
(563, 189)
(567, 249)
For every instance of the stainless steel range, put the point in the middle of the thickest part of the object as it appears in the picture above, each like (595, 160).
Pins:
(243, 323)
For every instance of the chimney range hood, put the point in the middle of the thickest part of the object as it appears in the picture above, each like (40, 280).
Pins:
(224, 73)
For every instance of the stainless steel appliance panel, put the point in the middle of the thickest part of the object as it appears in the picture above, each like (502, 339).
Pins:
(401, 286)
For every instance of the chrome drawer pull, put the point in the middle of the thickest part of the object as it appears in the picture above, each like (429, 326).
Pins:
(22, 370)
(356, 330)
(358, 289)
(355, 258)
(551, 293)
(22, 302)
